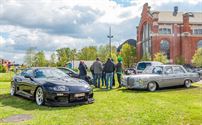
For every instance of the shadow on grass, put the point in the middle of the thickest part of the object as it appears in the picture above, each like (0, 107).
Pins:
(167, 89)
(27, 104)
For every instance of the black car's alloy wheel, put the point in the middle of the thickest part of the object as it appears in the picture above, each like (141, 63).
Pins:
(187, 83)
(152, 86)
(13, 89)
(39, 96)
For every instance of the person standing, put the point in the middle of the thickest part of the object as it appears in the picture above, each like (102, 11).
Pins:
(113, 74)
(109, 69)
(97, 68)
(119, 70)
(82, 70)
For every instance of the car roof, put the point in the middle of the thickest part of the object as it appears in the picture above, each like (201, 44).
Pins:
(168, 65)
(33, 68)
(150, 62)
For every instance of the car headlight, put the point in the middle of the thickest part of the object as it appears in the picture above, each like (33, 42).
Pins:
(60, 88)
(140, 81)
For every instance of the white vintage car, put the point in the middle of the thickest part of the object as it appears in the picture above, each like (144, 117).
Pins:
(160, 76)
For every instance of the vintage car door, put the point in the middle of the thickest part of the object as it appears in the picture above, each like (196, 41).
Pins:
(168, 78)
(180, 75)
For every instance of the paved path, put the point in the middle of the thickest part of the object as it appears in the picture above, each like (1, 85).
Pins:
(200, 82)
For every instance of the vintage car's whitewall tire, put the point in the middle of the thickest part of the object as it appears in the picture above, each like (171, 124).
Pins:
(187, 83)
(13, 89)
(152, 86)
(39, 96)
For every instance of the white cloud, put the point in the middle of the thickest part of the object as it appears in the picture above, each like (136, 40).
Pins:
(48, 24)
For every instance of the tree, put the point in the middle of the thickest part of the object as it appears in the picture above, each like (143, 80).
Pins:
(52, 62)
(29, 56)
(103, 52)
(63, 56)
(2, 69)
(179, 60)
(197, 58)
(88, 53)
(146, 57)
(160, 57)
(40, 59)
(128, 54)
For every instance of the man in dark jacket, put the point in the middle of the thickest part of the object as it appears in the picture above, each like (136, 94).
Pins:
(109, 69)
(82, 70)
(119, 70)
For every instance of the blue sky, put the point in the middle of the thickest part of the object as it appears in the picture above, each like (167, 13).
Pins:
(49, 25)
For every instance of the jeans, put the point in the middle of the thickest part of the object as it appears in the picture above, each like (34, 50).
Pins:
(103, 79)
(109, 78)
(98, 77)
(82, 77)
(119, 78)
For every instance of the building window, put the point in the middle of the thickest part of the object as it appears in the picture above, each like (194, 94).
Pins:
(164, 31)
(197, 31)
(165, 48)
(199, 45)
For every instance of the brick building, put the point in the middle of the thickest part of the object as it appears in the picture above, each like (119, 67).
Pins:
(174, 33)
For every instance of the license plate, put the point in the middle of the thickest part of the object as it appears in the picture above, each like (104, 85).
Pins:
(60, 94)
(79, 95)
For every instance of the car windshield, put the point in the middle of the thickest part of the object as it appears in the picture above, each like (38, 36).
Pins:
(143, 65)
(49, 73)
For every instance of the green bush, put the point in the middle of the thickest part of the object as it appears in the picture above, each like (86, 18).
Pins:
(197, 58)
(160, 57)
(2, 69)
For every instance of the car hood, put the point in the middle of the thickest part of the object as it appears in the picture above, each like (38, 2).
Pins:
(62, 81)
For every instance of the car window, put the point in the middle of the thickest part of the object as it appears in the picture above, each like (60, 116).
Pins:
(143, 65)
(178, 70)
(168, 70)
(157, 70)
(29, 72)
(23, 73)
(50, 73)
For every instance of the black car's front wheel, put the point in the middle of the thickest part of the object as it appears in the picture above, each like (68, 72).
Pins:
(13, 89)
(39, 96)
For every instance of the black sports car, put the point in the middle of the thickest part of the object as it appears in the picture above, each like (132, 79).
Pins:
(74, 74)
(51, 86)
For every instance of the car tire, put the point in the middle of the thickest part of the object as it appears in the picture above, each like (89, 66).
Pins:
(39, 96)
(187, 83)
(152, 86)
(13, 89)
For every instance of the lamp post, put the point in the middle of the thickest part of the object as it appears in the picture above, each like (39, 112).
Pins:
(110, 42)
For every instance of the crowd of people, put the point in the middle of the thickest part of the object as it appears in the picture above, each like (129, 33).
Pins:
(103, 73)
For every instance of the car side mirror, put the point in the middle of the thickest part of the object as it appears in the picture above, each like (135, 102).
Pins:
(28, 76)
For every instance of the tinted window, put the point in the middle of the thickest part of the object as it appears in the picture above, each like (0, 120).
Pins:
(49, 73)
(168, 70)
(178, 70)
(142, 66)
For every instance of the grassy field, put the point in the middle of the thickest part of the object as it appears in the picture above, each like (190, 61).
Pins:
(174, 106)
(6, 77)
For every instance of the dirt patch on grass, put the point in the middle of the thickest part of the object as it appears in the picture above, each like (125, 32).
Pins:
(17, 118)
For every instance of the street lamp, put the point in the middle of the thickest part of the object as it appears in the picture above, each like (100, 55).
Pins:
(110, 42)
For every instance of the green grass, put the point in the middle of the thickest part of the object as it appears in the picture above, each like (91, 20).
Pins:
(175, 106)
(6, 77)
